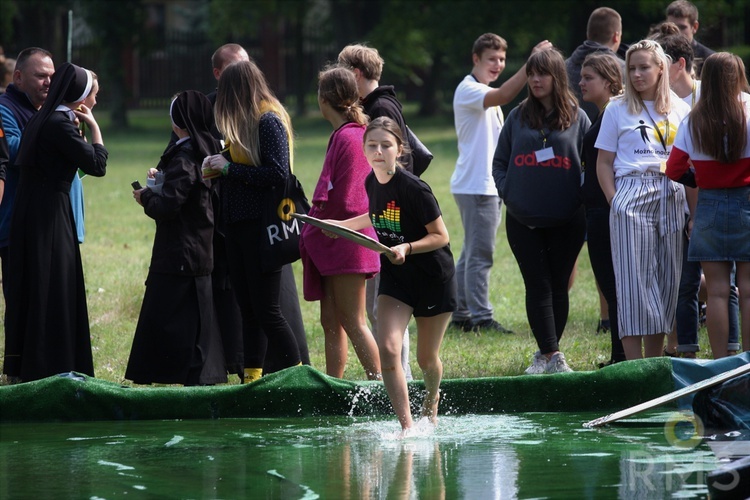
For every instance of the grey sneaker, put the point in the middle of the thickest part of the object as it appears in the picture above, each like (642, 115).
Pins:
(557, 364)
(538, 364)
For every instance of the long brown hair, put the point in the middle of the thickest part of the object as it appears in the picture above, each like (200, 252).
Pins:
(242, 97)
(564, 103)
(718, 124)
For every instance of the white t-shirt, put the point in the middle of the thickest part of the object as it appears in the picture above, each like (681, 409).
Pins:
(478, 130)
(637, 146)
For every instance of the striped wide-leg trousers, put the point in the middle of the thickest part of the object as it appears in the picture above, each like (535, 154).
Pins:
(646, 223)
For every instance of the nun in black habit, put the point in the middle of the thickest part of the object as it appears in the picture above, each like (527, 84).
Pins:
(47, 324)
(177, 340)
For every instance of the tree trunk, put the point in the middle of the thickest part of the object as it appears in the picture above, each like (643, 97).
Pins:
(430, 104)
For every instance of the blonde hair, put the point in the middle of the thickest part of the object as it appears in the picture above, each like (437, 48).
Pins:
(364, 58)
(243, 96)
(662, 96)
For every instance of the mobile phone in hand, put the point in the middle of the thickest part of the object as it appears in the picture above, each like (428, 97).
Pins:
(136, 185)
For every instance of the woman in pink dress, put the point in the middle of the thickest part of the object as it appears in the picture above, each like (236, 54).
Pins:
(335, 270)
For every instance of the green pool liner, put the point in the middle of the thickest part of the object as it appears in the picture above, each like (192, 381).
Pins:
(304, 392)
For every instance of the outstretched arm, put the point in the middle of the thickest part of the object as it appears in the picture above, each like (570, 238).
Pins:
(513, 85)
(355, 223)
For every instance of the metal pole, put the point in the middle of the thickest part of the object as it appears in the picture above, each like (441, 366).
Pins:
(70, 36)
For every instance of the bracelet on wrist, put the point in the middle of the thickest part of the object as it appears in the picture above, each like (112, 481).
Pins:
(410, 248)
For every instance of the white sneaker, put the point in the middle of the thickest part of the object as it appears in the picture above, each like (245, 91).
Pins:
(557, 364)
(538, 364)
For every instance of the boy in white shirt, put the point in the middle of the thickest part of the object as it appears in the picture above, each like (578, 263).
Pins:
(478, 119)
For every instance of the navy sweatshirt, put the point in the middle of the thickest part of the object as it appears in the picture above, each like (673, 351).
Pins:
(539, 193)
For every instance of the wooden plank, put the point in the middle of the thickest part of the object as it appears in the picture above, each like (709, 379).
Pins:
(344, 232)
(668, 398)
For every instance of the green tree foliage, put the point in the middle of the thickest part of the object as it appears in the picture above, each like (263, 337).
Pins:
(33, 23)
(426, 43)
(236, 20)
(9, 10)
(435, 38)
(116, 27)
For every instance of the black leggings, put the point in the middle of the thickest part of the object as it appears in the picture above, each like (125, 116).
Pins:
(258, 294)
(600, 254)
(546, 257)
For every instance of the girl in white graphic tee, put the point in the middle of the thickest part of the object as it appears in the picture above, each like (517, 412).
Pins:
(646, 217)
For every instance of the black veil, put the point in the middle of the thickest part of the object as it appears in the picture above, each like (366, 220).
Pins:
(69, 84)
(193, 111)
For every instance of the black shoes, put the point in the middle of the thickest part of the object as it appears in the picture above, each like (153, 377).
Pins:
(463, 325)
(489, 325)
(610, 363)
(604, 326)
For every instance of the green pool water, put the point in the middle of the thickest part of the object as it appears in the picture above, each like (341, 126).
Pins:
(532, 455)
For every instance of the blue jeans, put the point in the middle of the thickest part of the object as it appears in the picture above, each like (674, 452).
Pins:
(480, 216)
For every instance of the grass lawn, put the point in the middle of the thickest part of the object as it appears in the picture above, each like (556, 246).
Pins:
(119, 237)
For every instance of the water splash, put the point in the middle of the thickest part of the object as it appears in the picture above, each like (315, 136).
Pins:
(116, 465)
(363, 397)
(422, 430)
(95, 437)
(173, 441)
(309, 494)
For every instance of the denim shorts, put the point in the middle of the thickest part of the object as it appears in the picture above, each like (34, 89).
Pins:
(721, 229)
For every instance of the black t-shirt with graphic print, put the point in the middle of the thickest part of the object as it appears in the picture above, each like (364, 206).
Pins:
(399, 211)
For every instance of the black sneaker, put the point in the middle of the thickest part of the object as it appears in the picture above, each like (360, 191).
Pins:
(604, 326)
(463, 325)
(489, 325)
(610, 362)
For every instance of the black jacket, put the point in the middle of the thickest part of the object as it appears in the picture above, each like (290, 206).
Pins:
(383, 102)
(573, 68)
(184, 216)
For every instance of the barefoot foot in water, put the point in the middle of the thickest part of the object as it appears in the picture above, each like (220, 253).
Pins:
(430, 408)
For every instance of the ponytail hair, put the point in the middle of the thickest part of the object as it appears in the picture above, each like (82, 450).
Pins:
(338, 88)
(608, 67)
